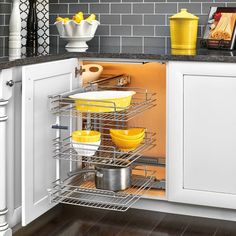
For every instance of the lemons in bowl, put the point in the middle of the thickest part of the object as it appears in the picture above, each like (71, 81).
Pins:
(129, 139)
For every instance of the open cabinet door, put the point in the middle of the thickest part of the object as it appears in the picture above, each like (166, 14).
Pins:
(38, 167)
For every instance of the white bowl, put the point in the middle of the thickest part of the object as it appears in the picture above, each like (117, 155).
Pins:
(86, 149)
(77, 34)
(91, 72)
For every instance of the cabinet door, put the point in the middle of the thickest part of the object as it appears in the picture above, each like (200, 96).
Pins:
(38, 167)
(203, 156)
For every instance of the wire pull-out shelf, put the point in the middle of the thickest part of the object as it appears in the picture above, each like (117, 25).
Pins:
(107, 153)
(80, 190)
(143, 100)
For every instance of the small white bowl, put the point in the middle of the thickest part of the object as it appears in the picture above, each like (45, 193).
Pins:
(86, 149)
(77, 34)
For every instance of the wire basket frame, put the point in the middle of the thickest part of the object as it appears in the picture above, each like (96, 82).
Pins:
(143, 100)
(107, 153)
(80, 190)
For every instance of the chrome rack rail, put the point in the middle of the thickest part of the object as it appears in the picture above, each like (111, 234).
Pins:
(107, 154)
(80, 190)
(143, 100)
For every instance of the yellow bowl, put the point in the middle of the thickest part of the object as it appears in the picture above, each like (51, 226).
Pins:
(128, 134)
(125, 144)
(87, 136)
(103, 101)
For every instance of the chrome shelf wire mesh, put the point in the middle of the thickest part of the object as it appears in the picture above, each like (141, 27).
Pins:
(80, 190)
(143, 100)
(107, 153)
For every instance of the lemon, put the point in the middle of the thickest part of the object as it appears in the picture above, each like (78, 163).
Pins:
(59, 18)
(91, 18)
(66, 20)
(78, 17)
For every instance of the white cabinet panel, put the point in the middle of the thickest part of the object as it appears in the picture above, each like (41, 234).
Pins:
(201, 150)
(14, 151)
(38, 167)
(209, 133)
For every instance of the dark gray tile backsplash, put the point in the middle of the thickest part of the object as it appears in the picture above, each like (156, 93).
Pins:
(134, 25)
(5, 11)
(126, 25)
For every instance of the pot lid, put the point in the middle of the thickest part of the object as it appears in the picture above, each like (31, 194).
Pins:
(184, 14)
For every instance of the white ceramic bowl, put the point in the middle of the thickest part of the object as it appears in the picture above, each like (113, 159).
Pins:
(77, 34)
(87, 149)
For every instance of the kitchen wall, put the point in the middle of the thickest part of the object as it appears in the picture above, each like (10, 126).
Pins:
(131, 25)
(5, 10)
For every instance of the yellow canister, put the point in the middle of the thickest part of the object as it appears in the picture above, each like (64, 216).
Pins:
(183, 30)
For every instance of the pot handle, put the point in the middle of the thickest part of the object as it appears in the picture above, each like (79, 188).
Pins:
(77, 172)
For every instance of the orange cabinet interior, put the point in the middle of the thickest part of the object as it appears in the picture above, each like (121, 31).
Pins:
(151, 76)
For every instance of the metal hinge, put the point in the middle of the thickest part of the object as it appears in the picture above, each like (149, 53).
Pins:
(79, 71)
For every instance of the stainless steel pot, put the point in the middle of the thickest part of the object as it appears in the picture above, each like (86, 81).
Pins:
(109, 177)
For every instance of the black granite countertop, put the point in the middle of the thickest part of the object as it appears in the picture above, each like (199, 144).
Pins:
(159, 54)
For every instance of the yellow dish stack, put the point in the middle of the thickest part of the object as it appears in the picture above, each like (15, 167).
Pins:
(127, 140)
(183, 30)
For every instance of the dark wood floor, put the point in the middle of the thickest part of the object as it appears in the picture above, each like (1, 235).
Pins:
(78, 221)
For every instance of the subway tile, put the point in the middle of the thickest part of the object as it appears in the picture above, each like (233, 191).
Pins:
(1, 47)
(110, 19)
(132, 0)
(94, 44)
(113, 43)
(2, 19)
(58, 8)
(102, 30)
(5, 8)
(166, 8)
(152, 45)
(143, 8)
(120, 30)
(99, 8)
(162, 31)
(87, 1)
(74, 8)
(143, 30)
(154, 19)
(132, 19)
(132, 44)
(121, 8)
(110, 0)
(194, 8)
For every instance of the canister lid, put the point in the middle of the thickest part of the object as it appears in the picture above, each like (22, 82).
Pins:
(184, 14)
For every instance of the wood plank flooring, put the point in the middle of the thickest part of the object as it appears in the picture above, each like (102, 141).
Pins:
(79, 221)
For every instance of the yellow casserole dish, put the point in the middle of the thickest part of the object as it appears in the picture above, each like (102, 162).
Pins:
(103, 101)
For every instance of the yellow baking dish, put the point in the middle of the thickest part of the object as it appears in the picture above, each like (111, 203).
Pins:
(103, 101)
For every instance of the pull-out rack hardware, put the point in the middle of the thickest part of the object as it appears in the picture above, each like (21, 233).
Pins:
(107, 154)
(143, 100)
(80, 190)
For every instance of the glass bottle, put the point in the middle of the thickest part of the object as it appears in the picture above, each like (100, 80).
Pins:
(32, 30)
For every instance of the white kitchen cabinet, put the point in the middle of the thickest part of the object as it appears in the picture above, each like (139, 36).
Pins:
(39, 169)
(201, 134)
